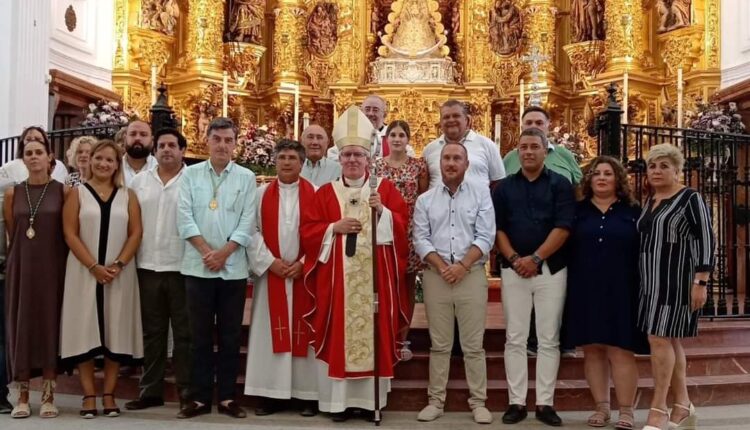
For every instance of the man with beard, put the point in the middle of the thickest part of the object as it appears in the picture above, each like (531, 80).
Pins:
(485, 164)
(138, 146)
(316, 168)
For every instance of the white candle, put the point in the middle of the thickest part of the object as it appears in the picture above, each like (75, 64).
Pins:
(498, 130)
(296, 110)
(154, 69)
(305, 120)
(679, 97)
(225, 95)
(520, 115)
(625, 84)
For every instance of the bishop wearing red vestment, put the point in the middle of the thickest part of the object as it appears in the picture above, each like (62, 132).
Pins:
(337, 230)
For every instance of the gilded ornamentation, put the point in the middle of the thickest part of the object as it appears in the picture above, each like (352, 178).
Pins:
(624, 41)
(201, 107)
(505, 75)
(505, 27)
(478, 55)
(322, 74)
(539, 23)
(70, 18)
(587, 60)
(422, 114)
(587, 17)
(321, 29)
(246, 21)
(149, 48)
(414, 30)
(682, 48)
(342, 100)
(121, 16)
(480, 105)
(673, 14)
(510, 126)
(206, 25)
(713, 32)
(160, 15)
(242, 61)
(288, 51)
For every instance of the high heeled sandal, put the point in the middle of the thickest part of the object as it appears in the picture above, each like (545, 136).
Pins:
(601, 417)
(689, 422)
(625, 419)
(88, 413)
(22, 410)
(110, 412)
(661, 411)
(48, 408)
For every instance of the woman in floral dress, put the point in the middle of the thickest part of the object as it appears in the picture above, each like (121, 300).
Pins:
(409, 175)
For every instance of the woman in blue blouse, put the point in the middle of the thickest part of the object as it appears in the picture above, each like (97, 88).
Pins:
(601, 305)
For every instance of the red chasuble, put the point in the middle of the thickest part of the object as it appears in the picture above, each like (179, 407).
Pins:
(278, 307)
(332, 291)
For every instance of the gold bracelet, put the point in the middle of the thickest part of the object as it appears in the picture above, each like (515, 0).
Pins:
(93, 265)
(463, 265)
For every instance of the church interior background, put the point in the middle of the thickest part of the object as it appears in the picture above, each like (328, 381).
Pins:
(286, 63)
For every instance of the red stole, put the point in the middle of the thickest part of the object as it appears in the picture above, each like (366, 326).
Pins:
(386, 148)
(278, 308)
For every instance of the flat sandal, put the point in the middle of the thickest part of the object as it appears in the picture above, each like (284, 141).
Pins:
(625, 420)
(601, 417)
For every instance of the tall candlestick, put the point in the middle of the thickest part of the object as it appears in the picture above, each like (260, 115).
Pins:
(625, 83)
(498, 131)
(154, 69)
(225, 95)
(523, 100)
(296, 110)
(679, 97)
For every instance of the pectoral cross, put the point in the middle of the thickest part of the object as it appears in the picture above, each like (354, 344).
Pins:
(281, 328)
(535, 58)
(299, 332)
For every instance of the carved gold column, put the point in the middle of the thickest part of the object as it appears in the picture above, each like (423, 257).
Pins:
(478, 56)
(288, 34)
(539, 27)
(624, 37)
(205, 29)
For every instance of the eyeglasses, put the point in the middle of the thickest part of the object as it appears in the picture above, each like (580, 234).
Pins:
(356, 155)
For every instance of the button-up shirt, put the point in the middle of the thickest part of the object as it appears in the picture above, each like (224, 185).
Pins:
(527, 211)
(129, 173)
(233, 219)
(450, 224)
(321, 172)
(485, 164)
(161, 248)
(559, 159)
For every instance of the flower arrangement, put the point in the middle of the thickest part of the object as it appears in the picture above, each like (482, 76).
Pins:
(562, 136)
(255, 149)
(714, 117)
(104, 113)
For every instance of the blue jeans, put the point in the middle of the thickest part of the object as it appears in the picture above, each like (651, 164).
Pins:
(3, 368)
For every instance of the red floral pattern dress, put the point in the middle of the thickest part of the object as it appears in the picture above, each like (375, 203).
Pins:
(406, 180)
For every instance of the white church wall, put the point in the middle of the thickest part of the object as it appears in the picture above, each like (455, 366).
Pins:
(735, 41)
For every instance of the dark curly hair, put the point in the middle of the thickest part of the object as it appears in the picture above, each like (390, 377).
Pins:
(622, 184)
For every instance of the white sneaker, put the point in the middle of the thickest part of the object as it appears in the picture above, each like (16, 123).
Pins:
(430, 413)
(482, 415)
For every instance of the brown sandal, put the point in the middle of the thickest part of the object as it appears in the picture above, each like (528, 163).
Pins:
(625, 420)
(601, 417)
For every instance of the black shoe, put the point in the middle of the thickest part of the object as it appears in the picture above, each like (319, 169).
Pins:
(110, 412)
(144, 403)
(232, 409)
(193, 410)
(267, 407)
(5, 406)
(367, 415)
(309, 409)
(515, 414)
(547, 415)
(340, 417)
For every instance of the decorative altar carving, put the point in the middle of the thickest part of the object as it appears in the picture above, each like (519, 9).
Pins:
(160, 15)
(587, 17)
(246, 21)
(321, 29)
(673, 14)
(506, 27)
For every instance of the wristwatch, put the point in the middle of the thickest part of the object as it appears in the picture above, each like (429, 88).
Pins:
(513, 258)
(536, 259)
(119, 264)
(700, 282)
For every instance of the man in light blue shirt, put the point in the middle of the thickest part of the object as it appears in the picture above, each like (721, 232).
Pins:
(318, 169)
(454, 227)
(216, 215)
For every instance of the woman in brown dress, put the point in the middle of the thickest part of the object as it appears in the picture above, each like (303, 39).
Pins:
(33, 213)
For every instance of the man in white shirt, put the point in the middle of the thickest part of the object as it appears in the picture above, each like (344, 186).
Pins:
(279, 336)
(162, 286)
(485, 165)
(138, 147)
(316, 168)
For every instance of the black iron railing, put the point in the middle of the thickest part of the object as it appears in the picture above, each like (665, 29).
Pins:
(718, 166)
(60, 140)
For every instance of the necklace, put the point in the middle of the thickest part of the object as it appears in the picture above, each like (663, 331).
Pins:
(214, 203)
(30, 232)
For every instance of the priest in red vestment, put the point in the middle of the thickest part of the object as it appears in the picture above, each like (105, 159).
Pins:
(337, 236)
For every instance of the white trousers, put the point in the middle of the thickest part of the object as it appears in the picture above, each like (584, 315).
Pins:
(546, 293)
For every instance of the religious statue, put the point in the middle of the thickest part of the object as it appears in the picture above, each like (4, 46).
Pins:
(375, 19)
(506, 27)
(160, 15)
(673, 14)
(588, 20)
(203, 121)
(414, 27)
(246, 20)
(321, 29)
(455, 18)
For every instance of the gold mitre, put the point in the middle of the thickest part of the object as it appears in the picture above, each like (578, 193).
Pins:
(353, 128)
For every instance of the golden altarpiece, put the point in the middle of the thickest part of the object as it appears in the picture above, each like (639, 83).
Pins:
(244, 54)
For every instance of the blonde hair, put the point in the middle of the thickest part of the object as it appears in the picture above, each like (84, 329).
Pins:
(118, 178)
(70, 154)
(668, 151)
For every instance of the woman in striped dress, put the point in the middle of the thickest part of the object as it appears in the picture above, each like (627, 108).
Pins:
(676, 259)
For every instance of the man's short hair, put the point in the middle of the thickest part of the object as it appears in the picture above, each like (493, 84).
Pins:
(447, 144)
(134, 120)
(286, 144)
(536, 133)
(181, 141)
(221, 123)
(535, 109)
(454, 102)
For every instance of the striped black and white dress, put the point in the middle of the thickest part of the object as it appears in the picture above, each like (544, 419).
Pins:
(676, 241)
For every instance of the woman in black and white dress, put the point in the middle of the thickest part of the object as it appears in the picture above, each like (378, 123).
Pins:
(676, 259)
